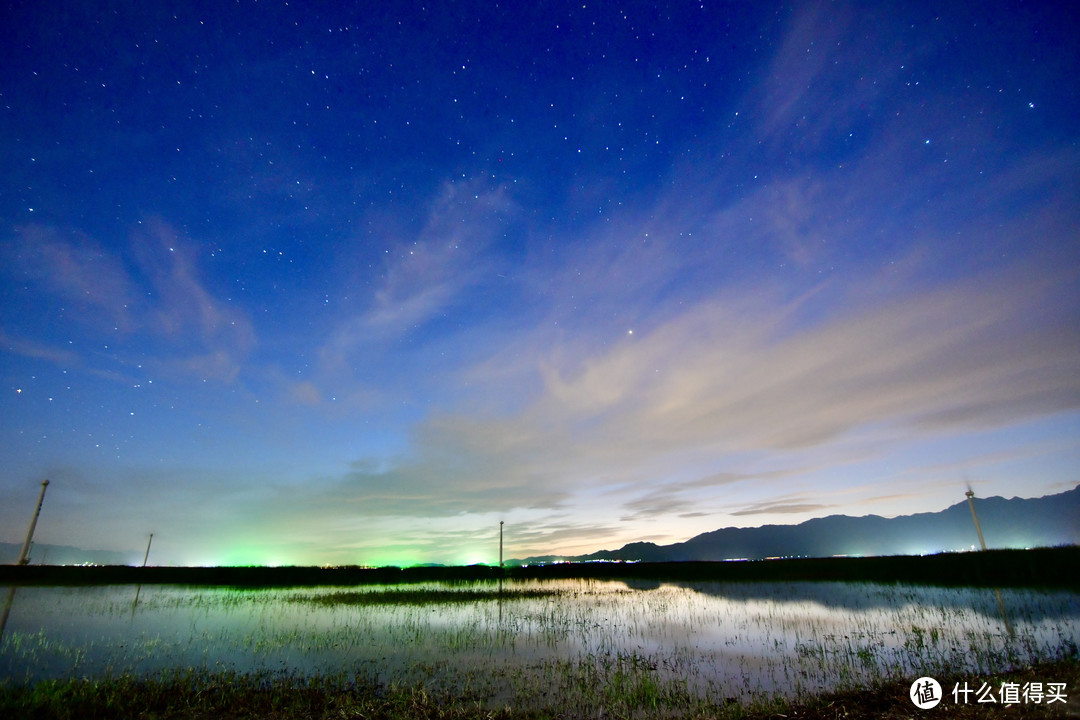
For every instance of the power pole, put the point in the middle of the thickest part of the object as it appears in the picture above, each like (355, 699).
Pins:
(500, 542)
(147, 549)
(24, 555)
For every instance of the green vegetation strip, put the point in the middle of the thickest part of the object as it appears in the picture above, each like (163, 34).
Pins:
(191, 694)
(1038, 567)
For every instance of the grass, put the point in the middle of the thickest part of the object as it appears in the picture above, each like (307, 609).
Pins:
(617, 691)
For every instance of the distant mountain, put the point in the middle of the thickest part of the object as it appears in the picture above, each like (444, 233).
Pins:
(1014, 523)
(64, 555)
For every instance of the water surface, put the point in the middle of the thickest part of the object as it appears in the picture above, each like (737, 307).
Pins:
(716, 640)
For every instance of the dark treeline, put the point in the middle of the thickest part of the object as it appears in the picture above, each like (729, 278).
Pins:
(1040, 567)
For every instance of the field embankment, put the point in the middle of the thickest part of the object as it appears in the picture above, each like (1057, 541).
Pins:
(1039, 567)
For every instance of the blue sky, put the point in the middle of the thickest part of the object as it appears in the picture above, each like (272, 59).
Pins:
(319, 283)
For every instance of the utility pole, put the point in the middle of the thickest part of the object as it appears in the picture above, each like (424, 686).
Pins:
(147, 549)
(500, 542)
(24, 555)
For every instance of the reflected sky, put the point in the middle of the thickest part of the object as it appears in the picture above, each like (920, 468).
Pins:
(730, 640)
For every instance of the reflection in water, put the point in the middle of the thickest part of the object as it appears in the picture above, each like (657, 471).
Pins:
(715, 639)
(866, 596)
(135, 602)
(1004, 616)
(7, 611)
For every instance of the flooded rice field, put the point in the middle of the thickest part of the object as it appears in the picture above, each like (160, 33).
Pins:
(531, 642)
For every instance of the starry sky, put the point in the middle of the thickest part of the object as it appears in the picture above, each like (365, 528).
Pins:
(326, 283)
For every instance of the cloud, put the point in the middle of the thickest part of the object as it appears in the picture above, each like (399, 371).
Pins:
(730, 378)
(689, 498)
(186, 313)
(665, 501)
(61, 357)
(835, 65)
(305, 393)
(74, 268)
(727, 376)
(423, 277)
(153, 295)
(781, 509)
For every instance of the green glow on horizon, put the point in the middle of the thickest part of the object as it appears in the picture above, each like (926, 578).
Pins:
(249, 554)
(475, 556)
(256, 556)
(393, 558)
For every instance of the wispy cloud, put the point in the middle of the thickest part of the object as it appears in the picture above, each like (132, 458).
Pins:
(825, 74)
(58, 356)
(185, 310)
(725, 379)
(151, 302)
(781, 509)
(76, 269)
(423, 277)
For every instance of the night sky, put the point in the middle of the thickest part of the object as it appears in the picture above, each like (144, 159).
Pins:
(323, 283)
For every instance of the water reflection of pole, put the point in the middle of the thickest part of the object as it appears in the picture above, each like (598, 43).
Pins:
(970, 494)
(138, 588)
(7, 610)
(500, 569)
(1004, 617)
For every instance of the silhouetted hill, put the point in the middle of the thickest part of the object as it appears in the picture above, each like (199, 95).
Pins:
(1014, 523)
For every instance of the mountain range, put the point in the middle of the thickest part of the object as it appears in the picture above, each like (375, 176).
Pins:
(1006, 523)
